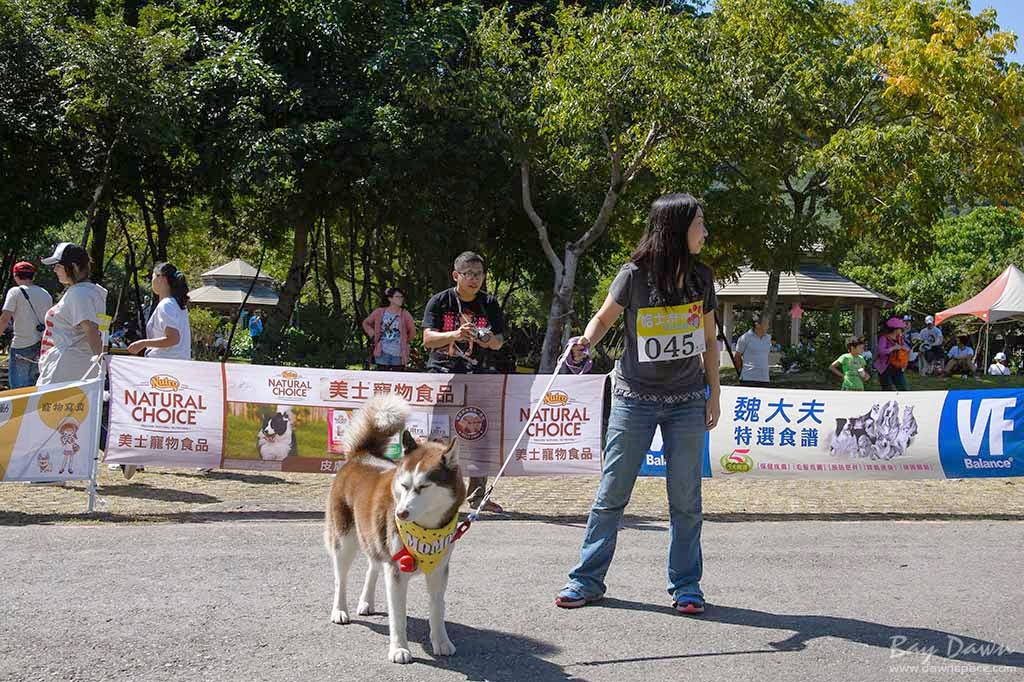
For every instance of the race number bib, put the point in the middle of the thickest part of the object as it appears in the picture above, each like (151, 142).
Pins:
(670, 333)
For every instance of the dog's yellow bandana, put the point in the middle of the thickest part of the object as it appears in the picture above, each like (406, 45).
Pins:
(427, 545)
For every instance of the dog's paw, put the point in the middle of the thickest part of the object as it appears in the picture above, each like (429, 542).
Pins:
(443, 647)
(340, 617)
(396, 655)
(365, 609)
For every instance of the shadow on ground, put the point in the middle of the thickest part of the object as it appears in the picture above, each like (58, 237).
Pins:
(941, 644)
(649, 522)
(231, 476)
(145, 491)
(482, 655)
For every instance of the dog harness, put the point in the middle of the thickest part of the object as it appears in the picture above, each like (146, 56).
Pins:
(425, 548)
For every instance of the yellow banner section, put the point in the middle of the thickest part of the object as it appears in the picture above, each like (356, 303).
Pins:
(670, 320)
(49, 433)
(11, 412)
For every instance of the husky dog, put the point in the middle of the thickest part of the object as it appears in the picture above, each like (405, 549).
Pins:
(368, 500)
(277, 438)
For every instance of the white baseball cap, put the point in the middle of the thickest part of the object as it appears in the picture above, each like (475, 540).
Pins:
(928, 319)
(1001, 357)
(69, 248)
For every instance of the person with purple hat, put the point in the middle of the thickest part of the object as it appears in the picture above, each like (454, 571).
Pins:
(72, 336)
(26, 304)
(893, 356)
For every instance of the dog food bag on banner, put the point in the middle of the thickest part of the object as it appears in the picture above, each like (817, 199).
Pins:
(339, 421)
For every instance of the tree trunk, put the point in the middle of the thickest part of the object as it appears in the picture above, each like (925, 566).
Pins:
(279, 316)
(140, 199)
(5, 270)
(352, 241)
(314, 257)
(163, 230)
(101, 189)
(772, 299)
(560, 311)
(366, 299)
(329, 274)
(565, 271)
(131, 272)
(98, 245)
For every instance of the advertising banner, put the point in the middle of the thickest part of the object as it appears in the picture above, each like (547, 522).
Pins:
(565, 435)
(827, 434)
(236, 416)
(49, 434)
(165, 412)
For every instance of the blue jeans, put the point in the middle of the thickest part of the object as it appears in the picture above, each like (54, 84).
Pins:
(630, 430)
(893, 379)
(23, 366)
(388, 360)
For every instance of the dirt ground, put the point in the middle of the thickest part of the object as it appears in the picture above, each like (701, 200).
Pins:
(192, 496)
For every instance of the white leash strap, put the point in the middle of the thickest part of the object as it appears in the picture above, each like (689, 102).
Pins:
(508, 456)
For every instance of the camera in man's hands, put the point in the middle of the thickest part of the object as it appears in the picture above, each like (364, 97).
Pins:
(483, 333)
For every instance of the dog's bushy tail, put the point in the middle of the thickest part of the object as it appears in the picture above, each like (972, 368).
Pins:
(373, 426)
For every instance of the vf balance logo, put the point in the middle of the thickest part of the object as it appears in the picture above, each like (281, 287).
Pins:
(981, 434)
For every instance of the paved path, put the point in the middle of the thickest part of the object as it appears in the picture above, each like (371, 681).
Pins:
(801, 600)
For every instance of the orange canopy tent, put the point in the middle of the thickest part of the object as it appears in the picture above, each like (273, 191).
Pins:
(1002, 299)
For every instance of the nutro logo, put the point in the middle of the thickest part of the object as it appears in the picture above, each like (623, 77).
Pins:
(164, 382)
(981, 433)
(556, 398)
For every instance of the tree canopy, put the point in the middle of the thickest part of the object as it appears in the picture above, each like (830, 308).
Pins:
(353, 145)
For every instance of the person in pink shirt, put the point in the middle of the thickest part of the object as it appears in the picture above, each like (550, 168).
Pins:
(893, 354)
(391, 327)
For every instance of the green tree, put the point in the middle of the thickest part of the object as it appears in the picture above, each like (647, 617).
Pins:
(869, 119)
(963, 254)
(36, 158)
(585, 104)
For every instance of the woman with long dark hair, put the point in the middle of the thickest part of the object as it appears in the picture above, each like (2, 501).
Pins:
(168, 333)
(668, 377)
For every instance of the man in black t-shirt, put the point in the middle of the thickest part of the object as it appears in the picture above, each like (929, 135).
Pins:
(461, 327)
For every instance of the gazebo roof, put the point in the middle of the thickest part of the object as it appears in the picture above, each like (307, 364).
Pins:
(235, 269)
(232, 295)
(812, 285)
(227, 284)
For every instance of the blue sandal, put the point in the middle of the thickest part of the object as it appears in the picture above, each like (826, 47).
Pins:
(569, 598)
(689, 606)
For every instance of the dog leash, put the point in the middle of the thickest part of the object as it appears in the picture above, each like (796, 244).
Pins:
(406, 561)
(562, 361)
